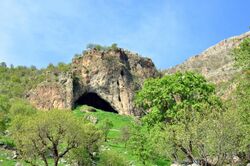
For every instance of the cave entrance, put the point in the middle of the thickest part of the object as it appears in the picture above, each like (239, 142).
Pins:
(92, 99)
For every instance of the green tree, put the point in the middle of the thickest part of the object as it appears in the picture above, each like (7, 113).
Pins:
(219, 137)
(139, 145)
(242, 55)
(51, 67)
(125, 135)
(4, 110)
(98, 47)
(62, 67)
(111, 158)
(3, 64)
(242, 104)
(81, 156)
(114, 47)
(181, 101)
(54, 132)
(90, 46)
(21, 107)
(17, 81)
(105, 126)
(176, 97)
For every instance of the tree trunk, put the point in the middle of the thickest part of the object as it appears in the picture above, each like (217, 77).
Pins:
(56, 160)
(188, 154)
(45, 161)
(205, 163)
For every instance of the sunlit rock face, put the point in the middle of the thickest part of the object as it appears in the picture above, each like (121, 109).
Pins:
(113, 77)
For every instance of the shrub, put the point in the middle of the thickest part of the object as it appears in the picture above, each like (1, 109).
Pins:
(111, 158)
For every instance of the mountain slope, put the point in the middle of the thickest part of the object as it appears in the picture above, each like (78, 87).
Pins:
(215, 63)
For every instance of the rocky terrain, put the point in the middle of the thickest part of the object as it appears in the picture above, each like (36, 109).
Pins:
(112, 75)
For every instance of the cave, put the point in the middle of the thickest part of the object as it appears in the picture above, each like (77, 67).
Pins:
(92, 99)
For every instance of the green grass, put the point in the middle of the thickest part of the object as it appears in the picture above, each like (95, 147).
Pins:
(114, 143)
(5, 158)
(119, 121)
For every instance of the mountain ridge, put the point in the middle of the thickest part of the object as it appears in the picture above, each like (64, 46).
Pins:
(216, 63)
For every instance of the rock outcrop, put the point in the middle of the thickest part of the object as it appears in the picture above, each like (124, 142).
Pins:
(113, 75)
(53, 93)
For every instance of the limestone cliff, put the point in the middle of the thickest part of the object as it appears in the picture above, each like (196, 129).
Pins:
(113, 75)
(53, 93)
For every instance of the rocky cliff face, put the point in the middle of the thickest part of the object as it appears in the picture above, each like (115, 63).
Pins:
(215, 63)
(112, 75)
(53, 93)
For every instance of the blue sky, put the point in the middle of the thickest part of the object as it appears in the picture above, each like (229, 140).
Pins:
(39, 32)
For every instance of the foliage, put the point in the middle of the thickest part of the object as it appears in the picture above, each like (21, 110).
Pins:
(111, 158)
(17, 81)
(220, 137)
(139, 144)
(214, 140)
(147, 145)
(3, 64)
(59, 68)
(54, 132)
(4, 109)
(183, 106)
(241, 104)
(21, 107)
(78, 55)
(176, 98)
(125, 135)
(105, 126)
(122, 125)
(81, 157)
(242, 60)
(9, 110)
(113, 47)
(242, 55)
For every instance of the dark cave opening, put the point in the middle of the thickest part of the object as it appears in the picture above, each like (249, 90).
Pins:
(92, 99)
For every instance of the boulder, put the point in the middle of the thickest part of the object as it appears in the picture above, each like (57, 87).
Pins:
(91, 118)
(18, 164)
(14, 155)
(88, 109)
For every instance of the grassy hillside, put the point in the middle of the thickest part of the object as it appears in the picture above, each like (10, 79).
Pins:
(114, 142)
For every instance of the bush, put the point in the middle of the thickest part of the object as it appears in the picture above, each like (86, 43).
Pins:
(4, 109)
(21, 107)
(105, 126)
(98, 47)
(111, 158)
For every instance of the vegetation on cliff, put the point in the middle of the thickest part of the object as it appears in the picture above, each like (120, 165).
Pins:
(185, 122)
